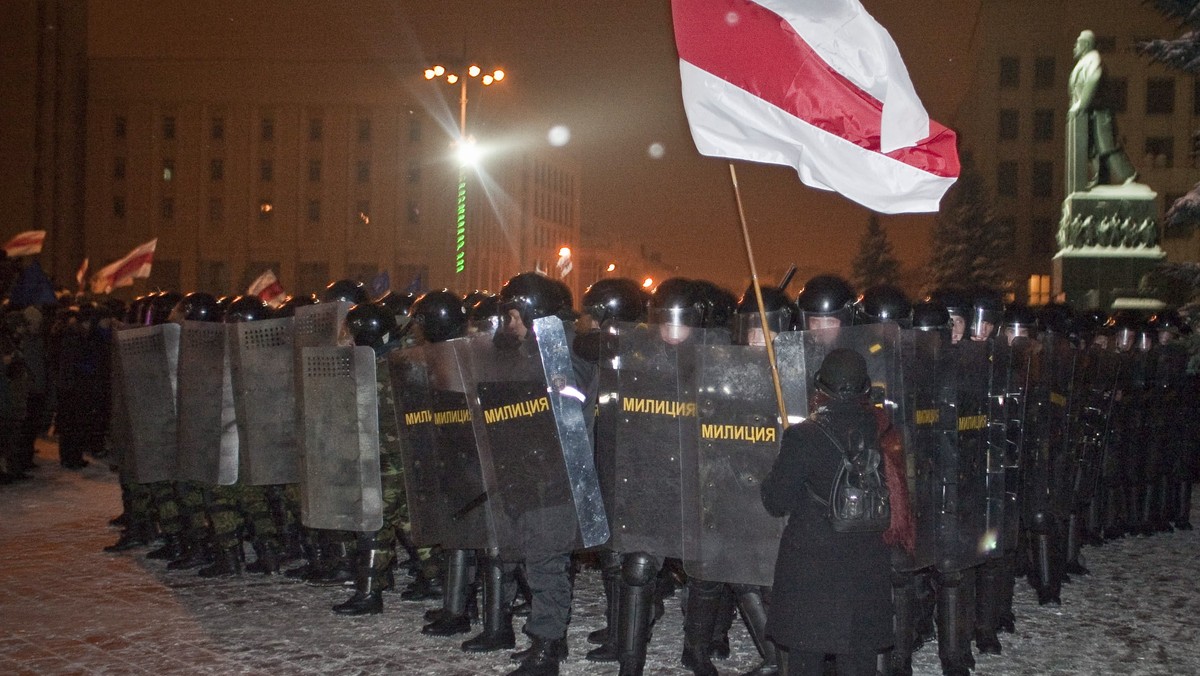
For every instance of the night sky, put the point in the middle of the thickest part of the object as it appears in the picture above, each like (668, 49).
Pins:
(607, 71)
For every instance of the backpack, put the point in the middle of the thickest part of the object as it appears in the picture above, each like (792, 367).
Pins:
(858, 499)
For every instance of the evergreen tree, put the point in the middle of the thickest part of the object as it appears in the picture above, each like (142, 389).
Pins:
(1181, 53)
(970, 248)
(875, 262)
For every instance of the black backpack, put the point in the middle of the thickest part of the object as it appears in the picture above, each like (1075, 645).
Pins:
(858, 499)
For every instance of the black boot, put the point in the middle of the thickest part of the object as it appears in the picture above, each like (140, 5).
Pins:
(954, 598)
(226, 562)
(172, 549)
(726, 612)
(543, 658)
(497, 631)
(750, 601)
(138, 535)
(1074, 565)
(267, 562)
(196, 554)
(606, 636)
(904, 592)
(453, 619)
(368, 588)
(339, 569)
(313, 561)
(638, 574)
(988, 578)
(703, 600)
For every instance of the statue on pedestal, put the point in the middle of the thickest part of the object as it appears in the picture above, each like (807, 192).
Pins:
(1091, 129)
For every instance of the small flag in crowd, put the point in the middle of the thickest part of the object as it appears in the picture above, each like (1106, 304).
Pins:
(134, 265)
(817, 85)
(564, 264)
(268, 288)
(27, 243)
(81, 273)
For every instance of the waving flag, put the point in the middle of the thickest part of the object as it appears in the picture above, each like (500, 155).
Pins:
(817, 85)
(27, 243)
(135, 265)
(268, 288)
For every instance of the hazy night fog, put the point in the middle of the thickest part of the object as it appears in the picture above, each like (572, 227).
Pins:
(606, 71)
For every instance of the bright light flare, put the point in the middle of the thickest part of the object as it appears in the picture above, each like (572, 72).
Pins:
(487, 79)
(468, 153)
(565, 251)
(656, 151)
(559, 136)
(498, 75)
(451, 78)
(611, 267)
(474, 71)
(429, 74)
(438, 71)
(648, 283)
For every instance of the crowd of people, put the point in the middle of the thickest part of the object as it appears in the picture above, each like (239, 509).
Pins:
(988, 442)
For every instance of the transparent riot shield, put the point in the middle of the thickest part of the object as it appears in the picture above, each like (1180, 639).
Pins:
(1012, 426)
(149, 359)
(929, 429)
(119, 435)
(972, 470)
(1099, 383)
(317, 325)
(647, 418)
(448, 503)
(208, 431)
(340, 486)
(739, 434)
(262, 363)
(537, 463)
(1046, 476)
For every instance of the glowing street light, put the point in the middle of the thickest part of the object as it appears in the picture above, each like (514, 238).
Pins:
(611, 267)
(468, 152)
(648, 283)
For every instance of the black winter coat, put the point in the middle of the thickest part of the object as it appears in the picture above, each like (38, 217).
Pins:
(832, 591)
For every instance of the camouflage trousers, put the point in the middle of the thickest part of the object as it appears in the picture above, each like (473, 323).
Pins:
(240, 509)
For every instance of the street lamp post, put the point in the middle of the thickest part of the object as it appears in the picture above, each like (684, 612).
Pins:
(464, 148)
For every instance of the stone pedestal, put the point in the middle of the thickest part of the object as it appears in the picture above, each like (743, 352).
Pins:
(1092, 277)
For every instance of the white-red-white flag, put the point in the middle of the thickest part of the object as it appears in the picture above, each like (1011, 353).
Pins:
(134, 265)
(27, 243)
(564, 264)
(268, 288)
(817, 85)
(81, 273)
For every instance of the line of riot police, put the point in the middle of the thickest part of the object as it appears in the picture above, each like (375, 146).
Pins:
(492, 437)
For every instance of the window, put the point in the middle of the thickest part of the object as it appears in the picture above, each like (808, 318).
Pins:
(314, 211)
(167, 208)
(1039, 289)
(1009, 124)
(266, 129)
(364, 129)
(1043, 124)
(1043, 72)
(119, 168)
(216, 210)
(362, 213)
(363, 172)
(1160, 96)
(216, 169)
(414, 130)
(168, 127)
(265, 209)
(266, 171)
(168, 169)
(119, 207)
(1006, 179)
(1042, 179)
(118, 126)
(414, 213)
(1115, 94)
(414, 173)
(217, 129)
(1010, 72)
(316, 129)
(1160, 152)
(314, 171)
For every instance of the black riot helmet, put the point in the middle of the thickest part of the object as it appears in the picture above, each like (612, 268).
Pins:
(843, 375)
(1169, 324)
(288, 307)
(717, 303)
(161, 305)
(987, 311)
(470, 299)
(198, 306)
(1056, 318)
(533, 295)
(747, 323)
(399, 304)
(369, 324)
(484, 315)
(677, 302)
(246, 309)
(441, 315)
(617, 299)
(825, 297)
(347, 290)
(884, 303)
(223, 303)
(1124, 326)
(1019, 322)
(930, 315)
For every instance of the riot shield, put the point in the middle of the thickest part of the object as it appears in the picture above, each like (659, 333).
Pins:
(208, 434)
(447, 501)
(119, 436)
(930, 428)
(1013, 410)
(537, 463)
(340, 486)
(263, 373)
(1046, 476)
(739, 436)
(647, 417)
(1100, 375)
(317, 325)
(149, 358)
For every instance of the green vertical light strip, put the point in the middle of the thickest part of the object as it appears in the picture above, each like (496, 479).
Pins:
(460, 245)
